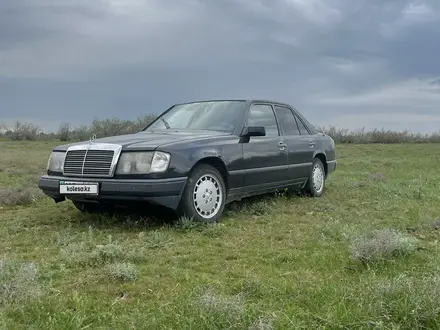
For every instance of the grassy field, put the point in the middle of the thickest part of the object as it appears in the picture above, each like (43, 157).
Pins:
(364, 256)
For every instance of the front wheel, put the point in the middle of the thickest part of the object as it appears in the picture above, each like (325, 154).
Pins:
(204, 196)
(316, 182)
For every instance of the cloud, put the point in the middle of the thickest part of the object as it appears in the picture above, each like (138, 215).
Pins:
(413, 14)
(318, 12)
(426, 93)
(413, 105)
(75, 59)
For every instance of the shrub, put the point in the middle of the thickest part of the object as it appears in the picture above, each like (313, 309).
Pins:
(116, 126)
(24, 131)
(81, 133)
(64, 132)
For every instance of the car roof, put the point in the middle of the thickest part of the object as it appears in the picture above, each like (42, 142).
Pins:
(248, 100)
(268, 101)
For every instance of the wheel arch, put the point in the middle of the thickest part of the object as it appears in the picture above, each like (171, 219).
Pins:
(218, 164)
(323, 158)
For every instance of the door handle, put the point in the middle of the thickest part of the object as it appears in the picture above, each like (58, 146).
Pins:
(282, 145)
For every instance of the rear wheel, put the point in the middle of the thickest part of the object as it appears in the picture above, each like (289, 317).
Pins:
(316, 182)
(204, 195)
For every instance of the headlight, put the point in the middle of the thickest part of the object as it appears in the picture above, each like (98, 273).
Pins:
(143, 162)
(56, 162)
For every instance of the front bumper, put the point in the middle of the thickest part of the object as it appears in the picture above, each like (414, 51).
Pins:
(331, 166)
(165, 192)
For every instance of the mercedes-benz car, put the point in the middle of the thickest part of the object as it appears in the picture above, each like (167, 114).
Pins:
(194, 158)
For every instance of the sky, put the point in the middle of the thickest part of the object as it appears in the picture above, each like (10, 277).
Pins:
(346, 63)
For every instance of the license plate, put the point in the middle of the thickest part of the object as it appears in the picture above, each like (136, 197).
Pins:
(79, 188)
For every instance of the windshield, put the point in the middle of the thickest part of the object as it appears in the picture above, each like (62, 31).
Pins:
(213, 115)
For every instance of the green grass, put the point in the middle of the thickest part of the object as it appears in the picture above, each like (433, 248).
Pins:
(364, 256)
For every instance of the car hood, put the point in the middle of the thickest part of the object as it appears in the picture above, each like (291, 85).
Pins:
(150, 140)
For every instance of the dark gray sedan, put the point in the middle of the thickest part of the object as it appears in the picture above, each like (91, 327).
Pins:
(195, 158)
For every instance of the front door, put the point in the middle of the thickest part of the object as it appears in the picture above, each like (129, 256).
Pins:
(264, 157)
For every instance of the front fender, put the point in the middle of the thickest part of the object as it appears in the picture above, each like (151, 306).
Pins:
(184, 160)
(210, 152)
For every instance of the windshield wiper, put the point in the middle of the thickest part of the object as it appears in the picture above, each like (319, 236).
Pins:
(165, 123)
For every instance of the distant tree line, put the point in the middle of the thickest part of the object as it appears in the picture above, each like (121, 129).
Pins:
(362, 136)
(25, 131)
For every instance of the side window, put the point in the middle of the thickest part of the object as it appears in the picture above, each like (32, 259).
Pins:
(262, 115)
(287, 120)
(301, 126)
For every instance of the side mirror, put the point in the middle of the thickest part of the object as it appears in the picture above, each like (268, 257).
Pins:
(254, 131)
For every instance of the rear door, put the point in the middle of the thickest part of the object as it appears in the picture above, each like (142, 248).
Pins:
(264, 157)
(300, 147)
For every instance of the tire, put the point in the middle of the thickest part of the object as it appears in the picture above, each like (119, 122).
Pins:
(316, 182)
(91, 207)
(206, 205)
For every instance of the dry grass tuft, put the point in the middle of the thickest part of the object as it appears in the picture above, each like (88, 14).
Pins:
(379, 177)
(381, 245)
(262, 324)
(82, 254)
(218, 306)
(413, 301)
(107, 253)
(436, 224)
(18, 282)
(155, 239)
(187, 223)
(20, 196)
(122, 271)
(75, 253)
(256, 206)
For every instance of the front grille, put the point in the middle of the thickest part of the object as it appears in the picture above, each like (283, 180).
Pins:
(90, 162)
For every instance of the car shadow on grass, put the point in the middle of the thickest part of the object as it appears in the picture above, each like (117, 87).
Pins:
(129, 216)
(150, 216)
